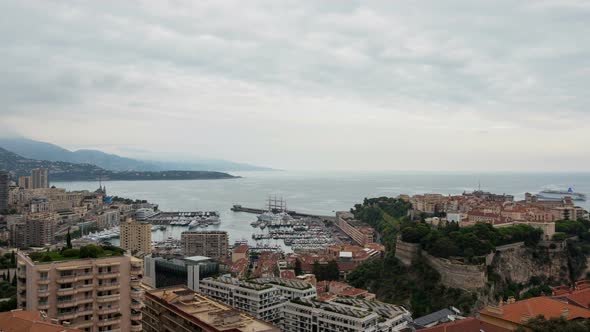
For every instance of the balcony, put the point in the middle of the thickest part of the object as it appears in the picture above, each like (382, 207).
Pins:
(136, 293)
(83, 287)
(66, 304)
(106, 311)
(66, 315)
(67, 279)
(108, 321)
(84, 276)
(43, 306)
(66, 291)
(136, 305)
(108, 298)
(82, 324)
(136, 315)
(84, 312)
(42, 292)
(136, 328)
(108, 275)
(43, 281)
(108, 286)
(135, 282)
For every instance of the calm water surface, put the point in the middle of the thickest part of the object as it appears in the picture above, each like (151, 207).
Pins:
(319, 193)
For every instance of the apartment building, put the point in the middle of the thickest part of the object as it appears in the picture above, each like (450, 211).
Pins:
(4, 190)
(40, 230)
(360, 232)
(136, 237)
(343, 315)
(25, 182)
(91, 294)
(40, 178)
(261, 301)
(181, 309)
(213, 244)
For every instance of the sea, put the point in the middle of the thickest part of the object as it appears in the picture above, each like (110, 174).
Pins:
(321, 193)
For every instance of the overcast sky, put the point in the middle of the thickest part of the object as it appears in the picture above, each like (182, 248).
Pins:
(332, 85)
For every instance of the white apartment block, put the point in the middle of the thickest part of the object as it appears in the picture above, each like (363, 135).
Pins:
(343, 315)
(262, 298)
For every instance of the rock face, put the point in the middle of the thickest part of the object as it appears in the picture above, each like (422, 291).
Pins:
(513, 262)
(406, 252)
(458, 275)
(520, 263)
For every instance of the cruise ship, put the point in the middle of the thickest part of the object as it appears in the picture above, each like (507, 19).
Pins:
(557, 195)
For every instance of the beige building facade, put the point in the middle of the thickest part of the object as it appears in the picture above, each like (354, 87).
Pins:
(213, 244)
(90, 294)
(136, 237)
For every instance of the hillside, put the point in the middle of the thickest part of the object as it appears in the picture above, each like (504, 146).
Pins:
(66, 171)
(46, 151)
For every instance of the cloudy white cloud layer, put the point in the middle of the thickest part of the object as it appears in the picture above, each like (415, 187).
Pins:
(404, 85)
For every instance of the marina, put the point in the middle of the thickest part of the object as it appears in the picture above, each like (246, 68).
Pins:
(191, 219)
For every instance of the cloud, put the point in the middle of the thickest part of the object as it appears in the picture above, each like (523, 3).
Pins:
(256, 82)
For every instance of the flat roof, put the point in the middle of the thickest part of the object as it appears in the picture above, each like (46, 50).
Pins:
(207, 311)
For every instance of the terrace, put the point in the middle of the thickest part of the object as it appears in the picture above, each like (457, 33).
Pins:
(89, 251)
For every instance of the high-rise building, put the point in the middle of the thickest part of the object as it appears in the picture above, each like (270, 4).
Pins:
(91, 294)
(40, 230)
(40, 178)
(136, 237)
(25, 182)
(4, 184)
(212, 244)
(181, 309)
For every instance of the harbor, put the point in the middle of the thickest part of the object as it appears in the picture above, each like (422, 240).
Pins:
(191, 219)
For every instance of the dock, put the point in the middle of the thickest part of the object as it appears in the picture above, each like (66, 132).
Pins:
(294, 214)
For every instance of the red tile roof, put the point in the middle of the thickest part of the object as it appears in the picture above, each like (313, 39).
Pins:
(465, 325)
(28, 321)
(241, 249)
(534, 307)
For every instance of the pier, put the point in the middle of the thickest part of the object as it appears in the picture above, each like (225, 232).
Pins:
(239, 208)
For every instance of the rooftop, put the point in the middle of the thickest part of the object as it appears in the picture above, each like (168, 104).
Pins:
(205, 312)
(533, 307)
(465, 325)
(85, 252)
(291, 283)
(29, 321)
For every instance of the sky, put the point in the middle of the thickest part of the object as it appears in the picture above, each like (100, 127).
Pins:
(305, 85)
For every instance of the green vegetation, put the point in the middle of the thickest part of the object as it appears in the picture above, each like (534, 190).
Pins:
(478, 240)
(89, 251)
(328, 271)
(8, 211)
(298, 270)
(540, 324)
(128, 201)
(417, 286)
(8, 260)
(384, 214)
(7, 291)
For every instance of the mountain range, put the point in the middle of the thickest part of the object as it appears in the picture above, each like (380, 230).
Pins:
(66, 171)
(38, 150)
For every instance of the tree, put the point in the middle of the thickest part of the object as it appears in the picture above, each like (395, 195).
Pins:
(14, 280)
(68, 240)
(298, 269)
(13, 259)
